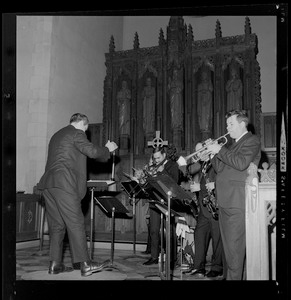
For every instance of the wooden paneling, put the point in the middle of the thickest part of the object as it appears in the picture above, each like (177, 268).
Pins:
(177, 53)
(269, 137)
(27, 217)
(269, 129)
(175, 67)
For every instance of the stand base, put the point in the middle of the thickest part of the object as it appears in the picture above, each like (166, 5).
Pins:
(153, 275)
(162, 275)
(40, 253)
(111, 267)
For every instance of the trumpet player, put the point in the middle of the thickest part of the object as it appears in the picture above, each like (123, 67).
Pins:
(207, 227)
(231, 165)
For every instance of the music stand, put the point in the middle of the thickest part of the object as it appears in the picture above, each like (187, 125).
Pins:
(134, 191)
(160, 185)
(157, 187)
(95, 185)
(113, 209)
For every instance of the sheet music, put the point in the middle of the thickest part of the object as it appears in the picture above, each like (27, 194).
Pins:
(109, 182)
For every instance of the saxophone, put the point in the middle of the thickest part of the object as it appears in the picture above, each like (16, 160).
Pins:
(209, 200)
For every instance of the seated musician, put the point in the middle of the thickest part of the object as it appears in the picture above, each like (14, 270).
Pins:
(148, 168)
(165, 163)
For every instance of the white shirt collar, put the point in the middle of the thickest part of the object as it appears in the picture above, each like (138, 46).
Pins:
(241, 136)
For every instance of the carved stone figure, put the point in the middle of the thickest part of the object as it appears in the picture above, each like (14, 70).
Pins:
(234, 89)
(205, 102)
(123, 100)
(176, 101)
(149, 101)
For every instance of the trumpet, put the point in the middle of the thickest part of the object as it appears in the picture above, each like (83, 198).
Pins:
(196, 156)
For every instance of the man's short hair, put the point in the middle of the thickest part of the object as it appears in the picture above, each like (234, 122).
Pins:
(241, 116)
(75, 118)
(172, 153)
(159, 149)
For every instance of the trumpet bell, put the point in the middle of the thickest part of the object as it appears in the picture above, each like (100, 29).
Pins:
(202, 153)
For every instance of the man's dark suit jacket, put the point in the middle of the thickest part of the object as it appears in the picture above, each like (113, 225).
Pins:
(66, 166)
(231, 167)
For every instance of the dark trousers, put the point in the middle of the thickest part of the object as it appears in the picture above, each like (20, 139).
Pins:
(155, 227)
(207, 228)
(232, 228)
(64, 213)
(148, 248)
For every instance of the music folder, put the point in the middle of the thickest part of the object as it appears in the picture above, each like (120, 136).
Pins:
(160, 185)
(107, 203)
(133, 188)
(99, 183)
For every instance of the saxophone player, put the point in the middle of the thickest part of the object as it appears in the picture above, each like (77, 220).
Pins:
(207, 226)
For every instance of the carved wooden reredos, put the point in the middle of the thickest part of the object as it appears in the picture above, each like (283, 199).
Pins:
(173, 71)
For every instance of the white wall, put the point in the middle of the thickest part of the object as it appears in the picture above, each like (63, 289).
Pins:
(78, 66)
(32, 89)
(60, 71)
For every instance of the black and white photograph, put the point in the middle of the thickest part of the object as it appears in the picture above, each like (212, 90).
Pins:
(145, 146)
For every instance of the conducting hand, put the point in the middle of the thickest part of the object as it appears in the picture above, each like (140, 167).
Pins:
(111, 146)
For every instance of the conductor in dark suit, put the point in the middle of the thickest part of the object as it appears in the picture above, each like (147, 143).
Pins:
(231, 165)
(64, 185)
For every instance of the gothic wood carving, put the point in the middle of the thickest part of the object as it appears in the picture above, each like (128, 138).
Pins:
(166, 81)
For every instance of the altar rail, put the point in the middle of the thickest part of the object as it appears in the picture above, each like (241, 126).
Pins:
(261, 223)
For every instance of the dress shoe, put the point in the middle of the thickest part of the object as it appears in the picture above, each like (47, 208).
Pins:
(89, 267)
(151, 261)
(213, 274)
(57, 267)
(198, 273)
(187, 270)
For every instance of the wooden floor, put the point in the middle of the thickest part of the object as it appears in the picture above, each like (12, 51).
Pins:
(127, 278)
(31, 259)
